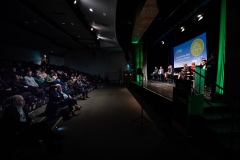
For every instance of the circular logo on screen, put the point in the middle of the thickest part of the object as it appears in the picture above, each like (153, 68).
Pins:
(197, 47)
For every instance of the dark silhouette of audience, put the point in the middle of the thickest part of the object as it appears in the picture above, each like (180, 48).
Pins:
(19, 128)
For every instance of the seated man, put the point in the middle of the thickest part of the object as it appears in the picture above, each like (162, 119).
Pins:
(68, 96)
(6, 90)
(55, 96)
(20, 85)
(168, 73)
(19, 127)
(30, 81)
(154, 73)
(160, 73)
(38, 78)
(81, 90)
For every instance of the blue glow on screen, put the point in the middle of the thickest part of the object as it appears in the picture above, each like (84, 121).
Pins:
(193, 50)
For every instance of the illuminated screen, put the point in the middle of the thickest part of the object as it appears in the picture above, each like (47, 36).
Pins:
(193, 50)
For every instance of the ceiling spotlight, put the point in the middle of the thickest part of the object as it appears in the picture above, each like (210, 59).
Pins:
(200, 17)
(162, 42)
(75, 2)
(90, 9)
(182, 29)
(91, 29)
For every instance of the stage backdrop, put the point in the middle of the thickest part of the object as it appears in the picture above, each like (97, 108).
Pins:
(193, 50)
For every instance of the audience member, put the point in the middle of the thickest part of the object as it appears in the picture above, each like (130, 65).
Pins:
(20, 85)
(57, 97)
(38, 78)
(18, 126)
(5, 90)
(50, 78)
(30, 81)
(68, 96)
(81, 90)
(20, 69)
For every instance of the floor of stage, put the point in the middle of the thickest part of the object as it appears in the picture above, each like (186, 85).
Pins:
(165, 89)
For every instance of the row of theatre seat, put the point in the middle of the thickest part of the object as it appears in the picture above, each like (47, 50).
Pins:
(33, 103)
(41, 98)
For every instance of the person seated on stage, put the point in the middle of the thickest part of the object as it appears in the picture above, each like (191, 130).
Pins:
(19, 128)
(169, 72)
(184, 72)
(160, 73)
(154, 73)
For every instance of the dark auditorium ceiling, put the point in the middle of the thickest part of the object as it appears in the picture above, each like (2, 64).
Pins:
(56, 26)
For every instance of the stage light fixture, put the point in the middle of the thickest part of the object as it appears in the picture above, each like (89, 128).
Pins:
(182, 29)
(162, 42)
(200, 17)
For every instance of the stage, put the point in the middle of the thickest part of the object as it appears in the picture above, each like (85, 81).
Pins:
(163, 89)
(160, 96)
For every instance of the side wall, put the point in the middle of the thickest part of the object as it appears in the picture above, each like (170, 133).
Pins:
(97, 62)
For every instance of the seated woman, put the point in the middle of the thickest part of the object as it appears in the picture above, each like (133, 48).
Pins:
(169, 72)
(81, 90)
(184, 72)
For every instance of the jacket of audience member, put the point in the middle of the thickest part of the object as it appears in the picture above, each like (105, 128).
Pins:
(11, 119)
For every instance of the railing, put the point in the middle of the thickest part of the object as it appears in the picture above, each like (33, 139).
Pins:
(233, 108)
